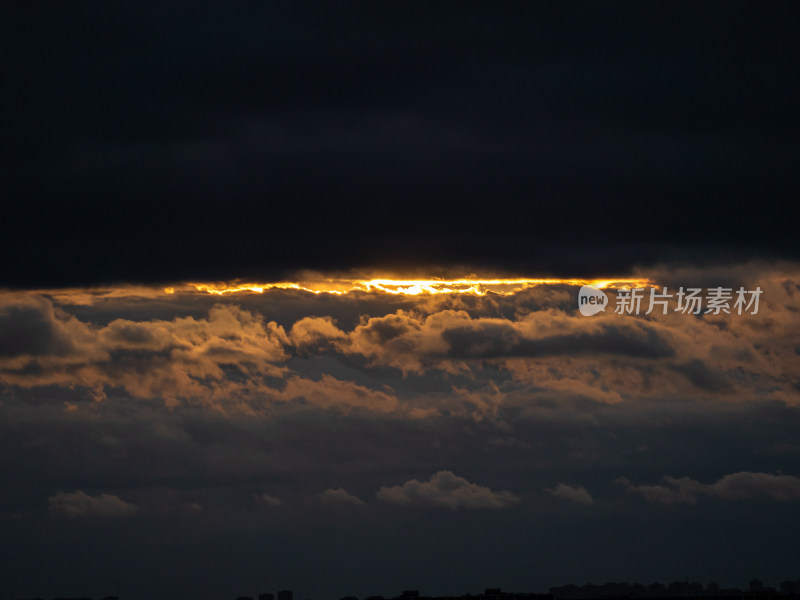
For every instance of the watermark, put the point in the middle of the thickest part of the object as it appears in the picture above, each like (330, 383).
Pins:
(591, 300)
(688, 301)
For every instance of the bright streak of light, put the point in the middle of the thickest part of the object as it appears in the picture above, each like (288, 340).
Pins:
(406, 287)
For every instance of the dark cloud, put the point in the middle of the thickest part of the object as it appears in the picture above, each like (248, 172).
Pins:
(201, 143)
(574, 494)
(736, 486)
(494, 340)
(703, 376)
(30, 327)
(79, 504)
(268, 501)
(148, 144)
(447, 490)
(339, 495)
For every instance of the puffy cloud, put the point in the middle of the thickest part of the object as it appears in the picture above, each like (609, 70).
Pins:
(400, 340)
(313, 334)
(748, 485)
(455, 355)
(676, 493)
(329, 392)
(574, 494)
(267, 500)
(340, 496)
(415, 342)
(29, 327)
(217, 358)
(736, 486)
(447, 490)
(79, 504)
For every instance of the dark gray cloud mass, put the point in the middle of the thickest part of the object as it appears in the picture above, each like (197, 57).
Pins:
(241, 140)
(446, 442)
(447, 490)
(79, 504)
(736, 486)
(163, 445)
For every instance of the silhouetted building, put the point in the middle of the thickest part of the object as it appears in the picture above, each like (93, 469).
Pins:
(266, 596)
(568, 591)
(790, 590)
(656, 589)
(285, 595)
(790, 587)
(407, 594)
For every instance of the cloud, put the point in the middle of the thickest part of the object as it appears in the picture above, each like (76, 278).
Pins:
(211, 359)
(574, 494)
(703, 376)
(79, 504)
(329, 392)
(483, 338)
(340, 496)
(736, 486)
(314, 334)
(748, 485)
(455, 355)
(414, 342)
(447, 490)
(267, 500)
(661, 494)
(28, 326)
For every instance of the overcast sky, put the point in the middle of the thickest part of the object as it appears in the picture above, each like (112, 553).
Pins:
(213, 140)
(163, 444)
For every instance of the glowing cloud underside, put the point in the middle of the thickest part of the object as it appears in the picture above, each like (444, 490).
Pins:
(409, 287)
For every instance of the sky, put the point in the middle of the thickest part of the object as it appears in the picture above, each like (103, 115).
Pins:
(290, 297)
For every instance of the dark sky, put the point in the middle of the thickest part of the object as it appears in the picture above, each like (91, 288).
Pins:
(146, 142)
(169, 443)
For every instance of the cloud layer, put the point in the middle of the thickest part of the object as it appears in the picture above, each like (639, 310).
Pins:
(446, 490)
(79, 504)
(736, 486)
(277, 418)
(481, 352)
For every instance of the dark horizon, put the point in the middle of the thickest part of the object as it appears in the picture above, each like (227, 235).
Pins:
(788, 590)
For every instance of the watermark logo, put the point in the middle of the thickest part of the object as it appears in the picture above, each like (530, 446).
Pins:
(591, 300)
(692, 301)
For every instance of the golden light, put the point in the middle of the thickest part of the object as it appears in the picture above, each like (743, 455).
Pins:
(407, 287)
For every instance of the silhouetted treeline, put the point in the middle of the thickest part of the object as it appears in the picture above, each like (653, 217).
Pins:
(75, 598)
(676, 589)
(684, 590)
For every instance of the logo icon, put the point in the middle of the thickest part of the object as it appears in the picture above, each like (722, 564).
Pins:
(591, 300)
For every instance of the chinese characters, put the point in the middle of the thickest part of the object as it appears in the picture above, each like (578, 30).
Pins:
(714, 301)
